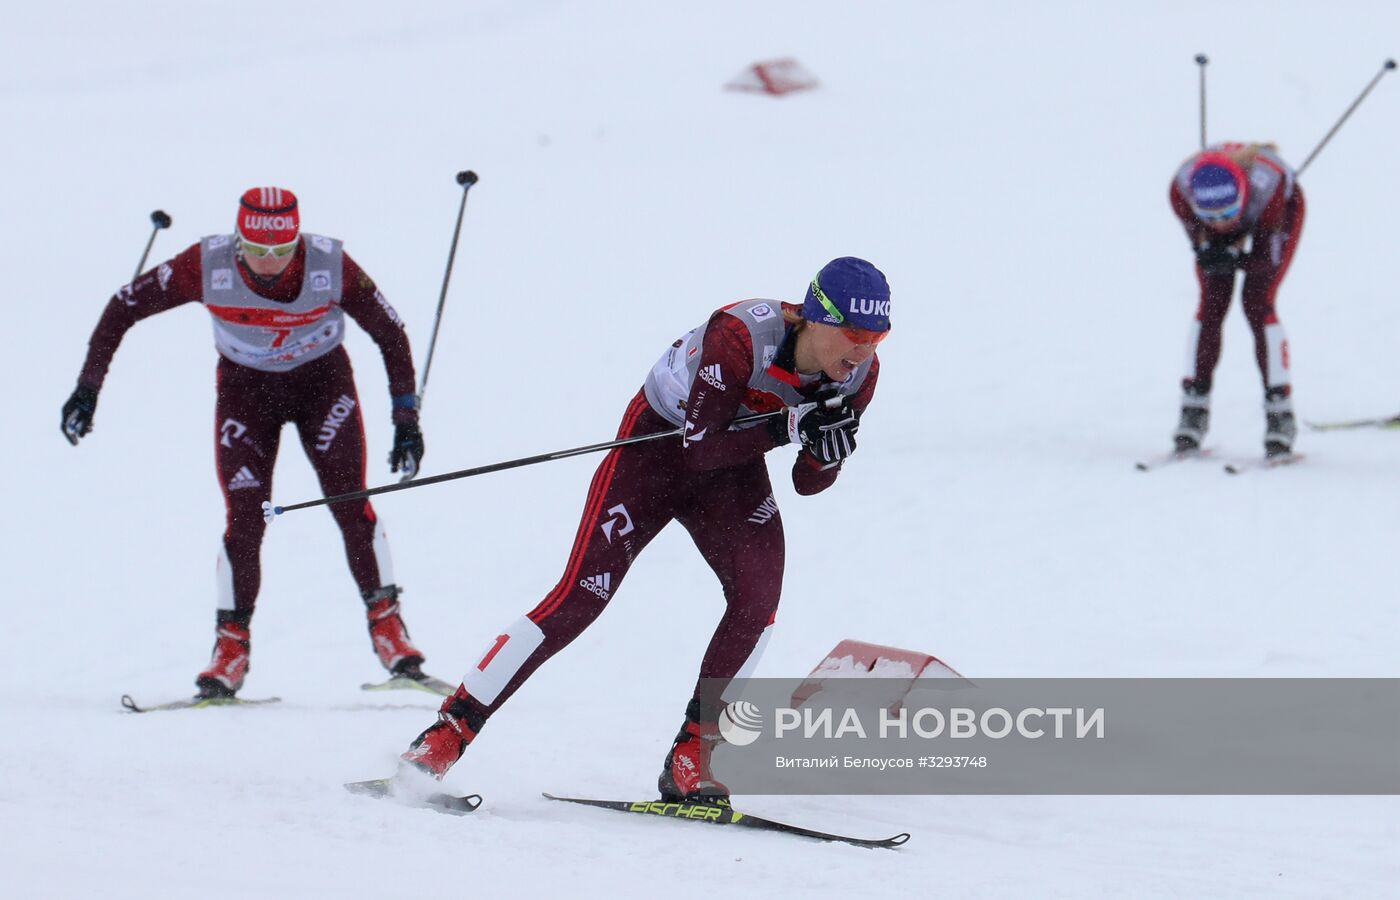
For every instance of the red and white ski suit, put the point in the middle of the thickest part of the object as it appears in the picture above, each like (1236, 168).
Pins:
(714, 482)
(252, 404)
(1272, 220)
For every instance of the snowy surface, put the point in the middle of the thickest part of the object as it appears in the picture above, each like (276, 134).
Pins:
(1005, 163)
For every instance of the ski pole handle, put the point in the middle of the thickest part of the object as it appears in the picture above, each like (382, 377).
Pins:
(160, 220)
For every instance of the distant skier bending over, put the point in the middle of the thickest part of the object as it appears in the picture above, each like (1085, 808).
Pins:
(278, 299)
(755, 356)
(1241, 209)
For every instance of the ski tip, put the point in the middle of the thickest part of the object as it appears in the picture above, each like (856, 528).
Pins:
(195, 702)
(1173, 456)
(385, 788)
(375, 787)
(1278, 461)
(899, 840)
(452, 804)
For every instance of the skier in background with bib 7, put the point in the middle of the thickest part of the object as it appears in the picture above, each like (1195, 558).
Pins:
(816, 364)
(278, 299)
(1242, 209)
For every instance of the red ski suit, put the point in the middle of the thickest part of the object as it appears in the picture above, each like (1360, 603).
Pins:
(251, 406)
(716, 486)
(1273, 222)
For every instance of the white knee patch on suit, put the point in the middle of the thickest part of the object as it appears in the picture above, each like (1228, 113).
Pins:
(750, 664)
(1277, 342)
(1193, 341)
(498, 665)
(382, 558)
(223, 579)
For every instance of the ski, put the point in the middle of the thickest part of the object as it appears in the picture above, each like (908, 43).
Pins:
(725, 815)
(195, 703)
(383, 788)
(411, 683)
(1167, 459)
(1390, 422)
(1240, 466)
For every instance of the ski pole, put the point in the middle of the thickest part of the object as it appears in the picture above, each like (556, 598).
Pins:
(1388, 65)
(1201, 62)
(270, 511)
(466, 180)
(160, 220)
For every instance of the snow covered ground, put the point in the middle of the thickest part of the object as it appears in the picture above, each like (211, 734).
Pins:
(1006, 164)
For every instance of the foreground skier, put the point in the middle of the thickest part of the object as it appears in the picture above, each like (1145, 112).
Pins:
(757, 356)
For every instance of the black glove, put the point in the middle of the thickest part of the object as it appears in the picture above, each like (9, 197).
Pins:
(837, 441)
(1218, 259)
(77, 413)
(825, 426)
(408, 449)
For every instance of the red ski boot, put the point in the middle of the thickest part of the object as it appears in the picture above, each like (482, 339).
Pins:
(229, 664)
(439, 747)
(686, 776)
(386, 629)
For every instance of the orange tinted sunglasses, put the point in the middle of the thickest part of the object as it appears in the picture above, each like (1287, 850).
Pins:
(861, 335)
